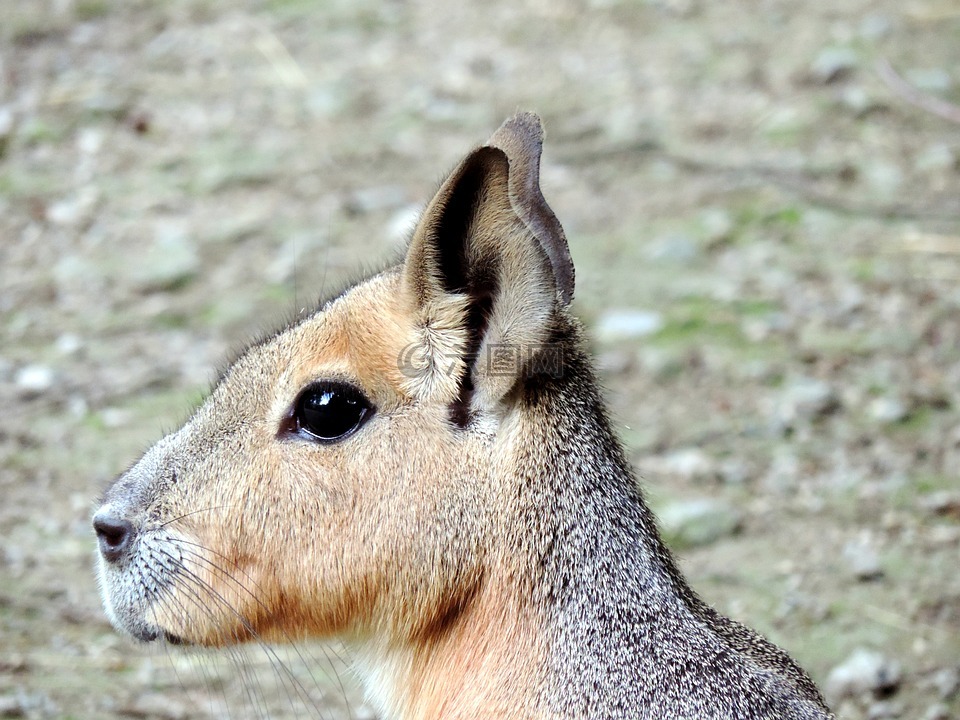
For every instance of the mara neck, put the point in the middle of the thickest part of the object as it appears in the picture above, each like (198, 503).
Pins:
(489, 661)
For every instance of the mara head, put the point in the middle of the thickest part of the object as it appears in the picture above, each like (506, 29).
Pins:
(344, 476)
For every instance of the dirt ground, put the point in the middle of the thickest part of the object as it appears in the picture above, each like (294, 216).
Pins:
(762, 199)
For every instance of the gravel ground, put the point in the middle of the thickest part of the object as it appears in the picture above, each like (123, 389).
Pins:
(763, 204)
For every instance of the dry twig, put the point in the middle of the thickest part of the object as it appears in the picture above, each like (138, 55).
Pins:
(906, 91)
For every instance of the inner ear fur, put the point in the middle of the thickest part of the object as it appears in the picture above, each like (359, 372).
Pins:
(483, 286)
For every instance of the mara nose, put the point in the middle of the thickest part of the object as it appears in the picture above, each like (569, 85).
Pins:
(115, 535)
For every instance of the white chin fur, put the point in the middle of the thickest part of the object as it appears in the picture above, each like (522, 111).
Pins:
(105, 595)
(125, 609)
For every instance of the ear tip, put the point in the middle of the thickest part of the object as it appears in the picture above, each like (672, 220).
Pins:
(521, 138)
(527, 123)
(523, 129)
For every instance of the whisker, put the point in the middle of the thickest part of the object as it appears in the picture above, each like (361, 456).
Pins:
(276, 661)
(271, 653)
(249, 681)
(193, 512)
(327, 650)
(193, 589)
(167, 596)
(180, 680)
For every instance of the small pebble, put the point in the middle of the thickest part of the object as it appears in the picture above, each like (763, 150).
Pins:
(11, 706)
(68, 343)
(692, 523)
(806, 398)
(625, 324)
(169, 260)
(875, 26)
(113, 418)
(34, 380)
(733, 471)
(673, 249)
(863, 561)
(883, 176)
(402, 222)
(939, 711)
(717, 225)
(862, 672)
(942, 502)
(364, 712)
(90, 140)
(155, 705)
(884, 711)
(938, 156)
(65, 212)
(77, 406)
(374, 199)
(686, 463)
(859, 100)
(615, 362)
(887, 410)
(833, 64)
(6, 126)
(930, 79)
(947, 683)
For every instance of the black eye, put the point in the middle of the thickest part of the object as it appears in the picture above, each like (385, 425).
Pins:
(329, 411)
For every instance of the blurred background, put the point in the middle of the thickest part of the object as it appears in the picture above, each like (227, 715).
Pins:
(762, 199)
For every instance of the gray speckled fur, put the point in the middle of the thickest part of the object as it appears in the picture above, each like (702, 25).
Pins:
(630, 638)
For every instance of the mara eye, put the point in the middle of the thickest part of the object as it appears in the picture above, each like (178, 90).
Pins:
(329, 411)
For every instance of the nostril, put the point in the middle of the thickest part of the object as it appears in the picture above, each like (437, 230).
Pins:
(115, 535)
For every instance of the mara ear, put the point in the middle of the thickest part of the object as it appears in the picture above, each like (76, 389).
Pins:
(486, 272)
(521, 138)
